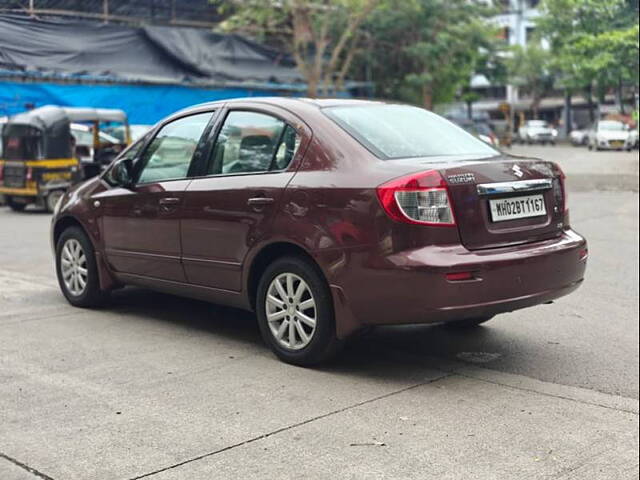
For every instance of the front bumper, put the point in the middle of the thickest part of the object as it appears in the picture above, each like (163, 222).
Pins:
(614, 144)
(540, 138)
(412, 287)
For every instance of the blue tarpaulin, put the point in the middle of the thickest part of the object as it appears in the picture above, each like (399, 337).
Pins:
(145, 104)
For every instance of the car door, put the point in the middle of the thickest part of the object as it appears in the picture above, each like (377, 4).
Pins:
(251, 160)
(141, 225)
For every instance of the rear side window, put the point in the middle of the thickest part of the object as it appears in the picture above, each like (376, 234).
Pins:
(169, 154)
(402, 131)
(253, 142)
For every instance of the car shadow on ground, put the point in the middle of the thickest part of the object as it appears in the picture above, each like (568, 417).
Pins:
(395, 351)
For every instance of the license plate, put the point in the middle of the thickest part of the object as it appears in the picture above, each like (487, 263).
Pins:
(517, 207)
(617, 143)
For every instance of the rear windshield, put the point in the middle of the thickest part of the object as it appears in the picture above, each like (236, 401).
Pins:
(402, 131)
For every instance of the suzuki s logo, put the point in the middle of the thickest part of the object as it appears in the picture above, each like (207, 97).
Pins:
(517, 171)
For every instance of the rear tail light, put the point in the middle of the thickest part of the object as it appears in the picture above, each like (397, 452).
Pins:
(563, 186)
(560, 193)
(421, 198)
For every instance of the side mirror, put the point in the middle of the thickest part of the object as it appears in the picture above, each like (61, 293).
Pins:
(121, 174)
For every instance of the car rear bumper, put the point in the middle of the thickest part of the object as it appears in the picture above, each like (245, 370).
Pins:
(412, 286)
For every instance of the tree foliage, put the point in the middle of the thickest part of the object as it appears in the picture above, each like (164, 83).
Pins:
(425, 51)
(531, 69)
(594, 42)
(322, 35)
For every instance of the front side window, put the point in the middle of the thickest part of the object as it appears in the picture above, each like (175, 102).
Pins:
(402, 131)
(253, 142)
(132, 152)
(169, 154)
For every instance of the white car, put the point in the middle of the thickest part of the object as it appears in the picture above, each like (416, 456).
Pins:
(537, 131)
(610, 135)
(579, 137)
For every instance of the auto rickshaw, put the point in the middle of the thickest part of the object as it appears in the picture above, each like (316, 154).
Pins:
(39, 162)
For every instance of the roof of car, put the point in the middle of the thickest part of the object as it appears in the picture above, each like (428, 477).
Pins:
(287, 101)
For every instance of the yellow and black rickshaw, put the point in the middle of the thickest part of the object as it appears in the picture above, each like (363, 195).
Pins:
(39, 162)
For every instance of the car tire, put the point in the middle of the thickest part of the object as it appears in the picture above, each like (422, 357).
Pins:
(284, 319)
(15, 206)
(79, 285)
(467, 323)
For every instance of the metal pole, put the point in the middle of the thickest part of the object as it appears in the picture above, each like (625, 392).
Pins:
(31, 7)
(105, 10)
(568, 117)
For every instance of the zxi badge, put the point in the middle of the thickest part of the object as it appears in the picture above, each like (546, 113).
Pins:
(517, 171)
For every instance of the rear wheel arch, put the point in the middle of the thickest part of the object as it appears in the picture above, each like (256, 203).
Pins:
(267, 255)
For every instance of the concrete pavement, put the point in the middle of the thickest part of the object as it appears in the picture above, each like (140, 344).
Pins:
(589, 170)
(166, 388)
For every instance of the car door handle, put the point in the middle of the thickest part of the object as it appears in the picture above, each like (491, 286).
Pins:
(259, 201)
(169, 201)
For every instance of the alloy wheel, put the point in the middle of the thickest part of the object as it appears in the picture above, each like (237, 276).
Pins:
(73, 265)
(291, 311)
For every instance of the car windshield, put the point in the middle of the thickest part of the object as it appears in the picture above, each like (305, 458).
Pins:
(402, 131)
(538, 123)
(611, 126)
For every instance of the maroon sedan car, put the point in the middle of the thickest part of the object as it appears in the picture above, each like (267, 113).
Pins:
(323, 217)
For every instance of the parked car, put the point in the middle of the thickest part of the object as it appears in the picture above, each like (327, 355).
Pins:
(633, 138)
(537, 131)
(480, 129)
(579, 137)
(610, 135)
(324, 217)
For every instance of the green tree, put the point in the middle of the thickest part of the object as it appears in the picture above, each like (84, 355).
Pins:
(322, 35)
(594, 43)
(530, 68)
(425, 51)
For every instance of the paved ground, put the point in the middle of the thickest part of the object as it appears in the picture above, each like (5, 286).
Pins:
(587, 170)
(166, 388)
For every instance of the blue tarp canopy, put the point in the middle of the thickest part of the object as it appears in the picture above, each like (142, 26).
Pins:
(145, 104)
